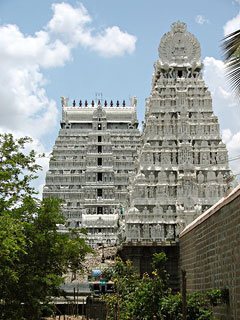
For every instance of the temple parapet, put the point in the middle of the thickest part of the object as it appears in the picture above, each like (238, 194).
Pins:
(94, 104)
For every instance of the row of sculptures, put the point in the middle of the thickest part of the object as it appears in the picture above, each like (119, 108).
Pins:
(155, 232)
(64, 102)
(165, 192)
(184, 158)
(162, 176)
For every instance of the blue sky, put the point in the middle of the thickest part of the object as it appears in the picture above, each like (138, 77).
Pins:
(50, 49)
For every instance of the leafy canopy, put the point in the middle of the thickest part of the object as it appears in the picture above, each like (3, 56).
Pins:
(34, 256)
(139, 298)
(231, 50)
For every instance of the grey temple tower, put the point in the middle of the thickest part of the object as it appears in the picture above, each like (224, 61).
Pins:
(183, 163)
(93, 158)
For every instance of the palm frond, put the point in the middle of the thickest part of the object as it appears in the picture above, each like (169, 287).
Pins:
(231, 50)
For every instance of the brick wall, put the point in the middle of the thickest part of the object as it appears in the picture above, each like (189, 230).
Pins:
(210, 253)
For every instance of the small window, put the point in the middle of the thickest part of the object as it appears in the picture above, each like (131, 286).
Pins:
(99, 192)
(99, 126)
(99, 138)
(99, 176)
(99, 161)
(180, 73)
(99, 210)
(99, 149)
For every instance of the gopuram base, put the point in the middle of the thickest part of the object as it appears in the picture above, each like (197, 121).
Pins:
(141, 253)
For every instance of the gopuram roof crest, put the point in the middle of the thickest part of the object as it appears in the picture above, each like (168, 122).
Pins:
(179, 47)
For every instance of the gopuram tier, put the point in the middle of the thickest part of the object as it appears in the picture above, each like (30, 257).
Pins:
(93, 158)
(183, 164)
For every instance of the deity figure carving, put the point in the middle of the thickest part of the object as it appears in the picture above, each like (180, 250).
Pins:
(157, 162)
(189, 203)
(161, 192)
(174, 158)
(205, 158)
(171, 177)
(169, 210)
(149, 159)
(135, 233)
(211, 176)
(170, 231)
(220, 177)
(214, 191)
(200, 177)
(145, 211)
(162, 176)
(157, 232)
(207, 191)
(151, 177)
(133, 101)
(151, 192)
(166, 158)
(153, 233)
(145, 231)
(64, 101)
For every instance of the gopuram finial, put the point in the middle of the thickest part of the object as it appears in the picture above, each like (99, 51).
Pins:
(64, 102)
(179, 47)
(133, 101)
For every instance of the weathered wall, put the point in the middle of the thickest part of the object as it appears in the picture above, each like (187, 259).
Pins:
(210, 253)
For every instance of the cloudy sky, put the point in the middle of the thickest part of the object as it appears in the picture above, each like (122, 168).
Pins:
(50, 49)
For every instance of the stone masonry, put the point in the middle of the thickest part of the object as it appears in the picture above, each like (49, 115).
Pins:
(210, 253)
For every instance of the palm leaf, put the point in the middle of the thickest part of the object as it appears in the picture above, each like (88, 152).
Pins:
(231, 49)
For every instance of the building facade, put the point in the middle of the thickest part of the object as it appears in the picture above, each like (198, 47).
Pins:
(93, 158)
(183, 164)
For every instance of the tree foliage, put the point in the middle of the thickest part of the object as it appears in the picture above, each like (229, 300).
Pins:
(143, 297)
(34, 256)
(231, 49)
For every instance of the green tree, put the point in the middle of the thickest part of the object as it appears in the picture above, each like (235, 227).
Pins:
(146, 296)
(231, 49)
(34, 256)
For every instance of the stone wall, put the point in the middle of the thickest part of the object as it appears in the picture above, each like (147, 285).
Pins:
(210, 253)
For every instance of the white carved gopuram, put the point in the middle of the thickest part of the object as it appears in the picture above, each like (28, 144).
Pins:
(183, 163)
(93, 159)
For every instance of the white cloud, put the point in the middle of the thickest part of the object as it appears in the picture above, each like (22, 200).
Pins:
(113, 42)
(24, 103)
(72, 24)
(215, 76)
(200, 19)
(232, 25)
(233, 146)
(225, 107)
(25, 108)
(226, 135)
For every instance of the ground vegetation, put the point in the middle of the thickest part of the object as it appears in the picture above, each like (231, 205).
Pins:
(148, 296)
